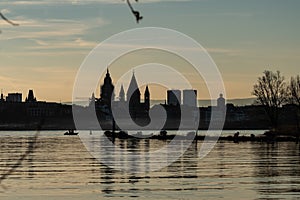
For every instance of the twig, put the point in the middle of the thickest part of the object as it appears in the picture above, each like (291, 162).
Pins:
(7, 20)
(134, 12)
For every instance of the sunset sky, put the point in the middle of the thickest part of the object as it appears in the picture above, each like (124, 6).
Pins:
(244, 37)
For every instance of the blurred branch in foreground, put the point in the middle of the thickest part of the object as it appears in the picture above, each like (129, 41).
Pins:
(7, 20)
(31, 147)
(134, 12)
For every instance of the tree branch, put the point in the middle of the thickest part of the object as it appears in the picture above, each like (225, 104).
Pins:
(134, 12)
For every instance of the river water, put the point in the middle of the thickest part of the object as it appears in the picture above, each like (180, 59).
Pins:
(60, 167)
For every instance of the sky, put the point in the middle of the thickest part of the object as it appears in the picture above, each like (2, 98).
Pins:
(244, 38)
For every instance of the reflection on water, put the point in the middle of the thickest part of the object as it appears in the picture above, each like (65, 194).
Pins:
(61, 168)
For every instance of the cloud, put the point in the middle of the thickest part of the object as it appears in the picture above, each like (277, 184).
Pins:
(51, 28)
(47, 37)
(226, 51)
(77, 43)
(5, 11)
(40, 42)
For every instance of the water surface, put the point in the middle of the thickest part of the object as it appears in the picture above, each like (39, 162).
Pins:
(60, 167)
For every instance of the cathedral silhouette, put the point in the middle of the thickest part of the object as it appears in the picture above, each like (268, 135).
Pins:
(131, 103)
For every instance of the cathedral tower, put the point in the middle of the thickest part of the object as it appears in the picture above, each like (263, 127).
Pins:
(133, 92)
(147, 98)
(122, 94)
(107, 90)
(133, 97)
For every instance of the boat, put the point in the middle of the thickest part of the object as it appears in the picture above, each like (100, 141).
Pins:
(119, 135)
(163, 133)
(71, 132)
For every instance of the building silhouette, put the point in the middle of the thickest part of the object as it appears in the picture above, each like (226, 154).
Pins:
(107, 91)
(147, 99)
(136, 107)
(2, 97)
(30, 98)
(122, 94)
(190, 98)
(174, 97)
(221, 103)
(16, 114)
(14, 97)
(130, 103)
(133, 96)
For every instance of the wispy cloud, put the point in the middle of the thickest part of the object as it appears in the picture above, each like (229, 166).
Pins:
(225, 51)
(77, 43)
(5, 11)
(49, 37)
(52, 70)
(51, 28)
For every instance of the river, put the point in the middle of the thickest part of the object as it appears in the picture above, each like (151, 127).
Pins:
(60, 167)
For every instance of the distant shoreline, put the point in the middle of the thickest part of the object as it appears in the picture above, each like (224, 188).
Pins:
(94, 129)
(265, 136)
(201, 102)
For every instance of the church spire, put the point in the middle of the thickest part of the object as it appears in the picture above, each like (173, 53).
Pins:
(107, 78)
(122, 94)
(2, 96)
(147, 90)
(107, 90)
(147, 98)
(133, 88)
(30, 97)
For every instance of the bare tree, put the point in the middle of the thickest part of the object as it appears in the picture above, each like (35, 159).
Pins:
(294, 96)
(271, 92)
(294, 89)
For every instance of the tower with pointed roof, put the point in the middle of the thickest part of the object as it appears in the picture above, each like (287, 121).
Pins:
(133, 97)
(92, 100)
(122, 94)
(2, 96)
(147, 99)
(221, 102)
(130, 102)
(30, 98)
(133, 92)
(107, 90)
(137, 108)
